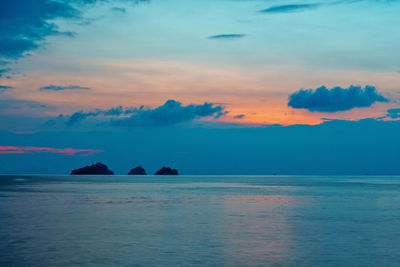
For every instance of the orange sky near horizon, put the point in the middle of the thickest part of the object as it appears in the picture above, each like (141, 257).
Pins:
(260, 93)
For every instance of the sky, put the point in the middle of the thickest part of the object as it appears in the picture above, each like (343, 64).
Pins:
(207, 87)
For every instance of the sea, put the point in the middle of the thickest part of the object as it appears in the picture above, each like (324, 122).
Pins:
(199, 220)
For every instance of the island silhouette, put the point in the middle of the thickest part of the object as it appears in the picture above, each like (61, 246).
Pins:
(102, 169)
(166, 171)
(137, 171)
(94, 169)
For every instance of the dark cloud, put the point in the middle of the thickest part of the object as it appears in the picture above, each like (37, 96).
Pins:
(221, 114)
(24, 24)
(172, 112)
(393, 113)
(289, 8)
(335, 99)
(81, 115)
(239, 116)
(227, 36)
(62, 88)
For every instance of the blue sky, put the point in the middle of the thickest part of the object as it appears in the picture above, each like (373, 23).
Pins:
(221, 73)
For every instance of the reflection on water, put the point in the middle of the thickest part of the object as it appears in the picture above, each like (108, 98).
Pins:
(199, 220)
(266, 236)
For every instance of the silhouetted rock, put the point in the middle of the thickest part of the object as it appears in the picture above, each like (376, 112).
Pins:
(167, 171)
(94, 169)
(138, 171)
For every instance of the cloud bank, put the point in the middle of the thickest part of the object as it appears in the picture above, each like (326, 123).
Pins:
(354, 147)
(31, 150)
(335, 99)
(62, 88)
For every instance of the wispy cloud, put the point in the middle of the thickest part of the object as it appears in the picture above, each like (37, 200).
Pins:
(335, 99)
(14, 104)
(32, 150)
(289, 8)
(119, 9)
(3, 71)
(62, 88)
(231, 36)
(239, 116)
(5, 87)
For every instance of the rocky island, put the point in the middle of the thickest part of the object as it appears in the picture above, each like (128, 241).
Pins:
(94, 169)
(166, 171)
(137, 171)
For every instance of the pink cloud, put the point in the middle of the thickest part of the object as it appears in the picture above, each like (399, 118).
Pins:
(32, 149)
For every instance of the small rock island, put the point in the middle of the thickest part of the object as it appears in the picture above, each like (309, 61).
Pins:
(94, 169)
(166, 171)
(137, 171)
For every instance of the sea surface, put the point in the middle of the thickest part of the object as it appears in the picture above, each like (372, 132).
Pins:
(199, 221)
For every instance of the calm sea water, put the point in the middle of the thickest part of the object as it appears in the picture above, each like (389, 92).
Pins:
(199, 220)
